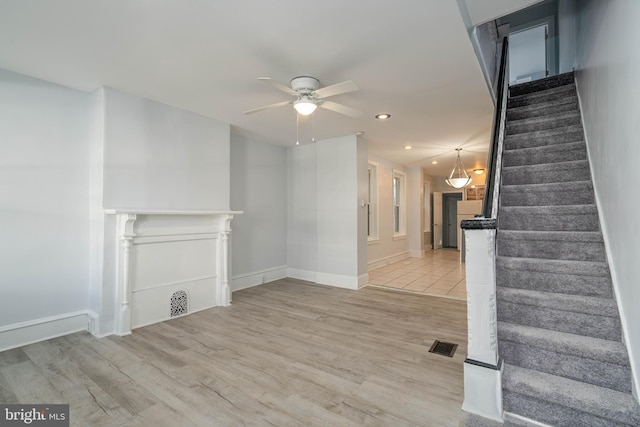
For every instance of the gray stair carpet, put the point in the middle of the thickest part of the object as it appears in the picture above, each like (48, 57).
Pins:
(559, 331)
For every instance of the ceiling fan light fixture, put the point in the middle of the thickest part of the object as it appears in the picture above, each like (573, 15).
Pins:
(305, 106)
(459, 178)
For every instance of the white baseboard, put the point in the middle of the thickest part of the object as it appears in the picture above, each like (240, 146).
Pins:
(32, 331)
(249, 280)
(388, 260)
(417, 254)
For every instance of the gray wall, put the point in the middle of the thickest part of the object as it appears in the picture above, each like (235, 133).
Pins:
(161, 157)
(326, 231)
(44, 198)
(259, 188)
(608, 62)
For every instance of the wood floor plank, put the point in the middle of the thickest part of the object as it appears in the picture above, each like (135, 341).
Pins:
(39, 387)
(12, 356)
(287, 353)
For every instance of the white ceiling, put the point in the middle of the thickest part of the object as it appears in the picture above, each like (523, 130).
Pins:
(410, 58)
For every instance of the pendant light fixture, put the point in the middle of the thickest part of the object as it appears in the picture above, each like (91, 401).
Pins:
(459, 178)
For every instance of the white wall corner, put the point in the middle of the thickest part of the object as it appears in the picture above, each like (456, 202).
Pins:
(306, 275)
(338, 280)
(388, 260)
(256, 278)
(416, 254)
(363, 280)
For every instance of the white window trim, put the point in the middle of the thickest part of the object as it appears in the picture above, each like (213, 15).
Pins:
(402, 232)
(374, 235)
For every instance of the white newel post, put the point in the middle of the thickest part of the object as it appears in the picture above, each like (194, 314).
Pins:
(482, 368)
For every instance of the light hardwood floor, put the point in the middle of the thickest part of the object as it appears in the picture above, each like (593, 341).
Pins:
(287, 353)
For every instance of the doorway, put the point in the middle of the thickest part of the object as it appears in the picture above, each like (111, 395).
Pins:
(529, 54)
(450, 219)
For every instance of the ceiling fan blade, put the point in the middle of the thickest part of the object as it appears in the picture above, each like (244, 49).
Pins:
(336, 89)
(280, 86)
(278, 104)
(342, 109)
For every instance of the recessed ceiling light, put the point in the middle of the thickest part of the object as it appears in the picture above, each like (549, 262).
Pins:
(408, 147)
(435, 162)
(478, 171)
(383, 116)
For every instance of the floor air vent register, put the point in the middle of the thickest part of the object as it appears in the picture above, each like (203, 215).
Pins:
(443, 348)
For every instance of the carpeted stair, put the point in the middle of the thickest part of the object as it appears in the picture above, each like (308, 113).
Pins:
(559, 331)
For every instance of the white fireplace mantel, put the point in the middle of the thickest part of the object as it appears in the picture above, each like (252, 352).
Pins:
(164, 252)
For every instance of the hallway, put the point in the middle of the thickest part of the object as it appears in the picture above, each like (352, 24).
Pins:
(438, 273)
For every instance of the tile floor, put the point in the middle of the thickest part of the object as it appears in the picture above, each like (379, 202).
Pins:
(439, 273)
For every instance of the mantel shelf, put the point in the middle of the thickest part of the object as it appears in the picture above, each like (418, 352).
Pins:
(168, 212)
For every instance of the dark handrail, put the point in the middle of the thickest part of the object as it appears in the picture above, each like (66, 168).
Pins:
(497, 133)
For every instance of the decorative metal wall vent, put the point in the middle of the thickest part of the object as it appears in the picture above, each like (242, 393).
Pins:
(179, 303)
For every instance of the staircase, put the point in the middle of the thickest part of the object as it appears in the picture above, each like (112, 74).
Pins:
(559, 331)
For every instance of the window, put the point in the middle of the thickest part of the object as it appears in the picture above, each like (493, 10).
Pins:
(372, 202)
(399, 210)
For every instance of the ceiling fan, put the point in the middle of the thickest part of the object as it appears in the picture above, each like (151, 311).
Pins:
(309, 95)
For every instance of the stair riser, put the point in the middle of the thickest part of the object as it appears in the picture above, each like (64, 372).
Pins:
(564, 250)
(544, 138)
(544, 109)
(555, 282)
(537, 124)
(542, 84)
(531, 196)
(568, 222)
(546, 155)
(540, 97)
(575, 323)
(591, 371)
(521, 176)
(553, 414)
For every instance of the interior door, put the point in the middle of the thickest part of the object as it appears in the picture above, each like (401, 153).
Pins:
(450, 220)
(437, 220)
(528, 54)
